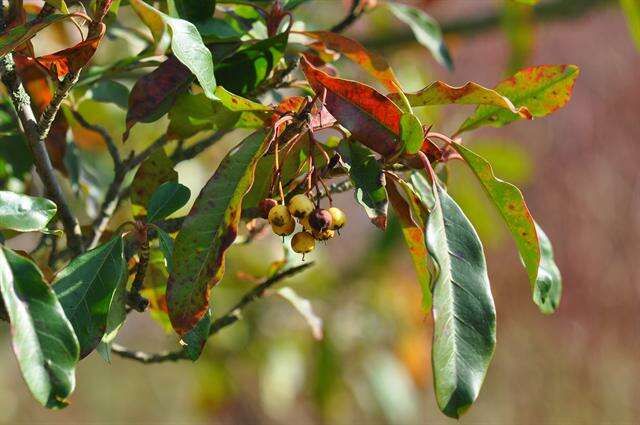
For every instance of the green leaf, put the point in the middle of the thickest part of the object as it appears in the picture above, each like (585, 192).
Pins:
(87, 287)
(411, 133)
(186, 43)
(541, 89)
(153, 172)
(25, 213)
(548, 289)
(109, 91)
(425, 29)
(510, 203)
(196, 338)
(631, 10)
(528, 2)
(167, 199)
(207, 233)
(245, 70)
(215, 29)
(368, 180)
(193, 10)
(440, 93)
(464, 315)
(412, 221)
(166, 246)
(42, 337)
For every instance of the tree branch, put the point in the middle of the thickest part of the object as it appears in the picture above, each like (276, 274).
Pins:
(355, 11)
(232, 316)
(36, 136)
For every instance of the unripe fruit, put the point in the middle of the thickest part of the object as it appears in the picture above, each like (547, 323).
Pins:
(320, 219)
(285, 229)
(338, 218)
(304, 221)
(324, 235)
(303, 242)
(279, 216)
(265, 206)
(300, 206)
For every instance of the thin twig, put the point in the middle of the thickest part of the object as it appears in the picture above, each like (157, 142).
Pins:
(111, 146)
(232, 316)
(355, 11)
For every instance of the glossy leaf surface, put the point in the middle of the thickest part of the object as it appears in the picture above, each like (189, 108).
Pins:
(167, 199)
(25, 213)
(41, 336)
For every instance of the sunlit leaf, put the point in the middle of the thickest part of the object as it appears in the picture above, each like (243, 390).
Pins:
(411, 133)
(368, 180)
(541, 89)
(371, 117)
(42, 337)
(167, 199)
(426, 30)
(371, 62)
(464, 316)
(87, 287)
(186, 43)
(25, 213)
(208, 231)
(439, 93)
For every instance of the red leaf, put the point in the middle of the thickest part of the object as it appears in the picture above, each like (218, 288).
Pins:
(154, 93)
(59, 64)
(370, 116)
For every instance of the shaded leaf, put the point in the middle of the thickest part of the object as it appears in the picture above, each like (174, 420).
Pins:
(371, 117)
(196, 338)
(548, 288)
(42, 337)
(464, 314)
(413, 228)
(60, 63)
(193, 10)
(371, 62)
(439, 93)
(304, 307)
(154, 171)
(541, 89)
(20, 34)
(167, 199)
(87, 287)
(368, 180)
(208, 231)
(109, 91)
(411, 133)
(246, 69)
(425, 29)
(186, 43)
(25, 213)
(166, 246)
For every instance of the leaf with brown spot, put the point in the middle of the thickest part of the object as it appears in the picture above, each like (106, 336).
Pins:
(60, 63)
(541, 89)
(207, 233)
(371, 62)
(440, 93)
(371, 117)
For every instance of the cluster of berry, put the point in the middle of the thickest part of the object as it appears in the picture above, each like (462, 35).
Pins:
(317, 224)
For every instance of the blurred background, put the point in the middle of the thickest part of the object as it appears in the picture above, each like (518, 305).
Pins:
(578, 170)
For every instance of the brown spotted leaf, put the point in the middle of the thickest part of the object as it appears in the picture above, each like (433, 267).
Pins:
(439, 93)
(153, 171)
(60, 63)
(207, 233)
(371, 62)
(540, 89)
(371, 117)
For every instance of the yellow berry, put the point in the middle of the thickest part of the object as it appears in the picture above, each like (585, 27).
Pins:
(300, 206)
(303, 242)
(339, 218)
(279, 216)
(285, 229)
(324, 235)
